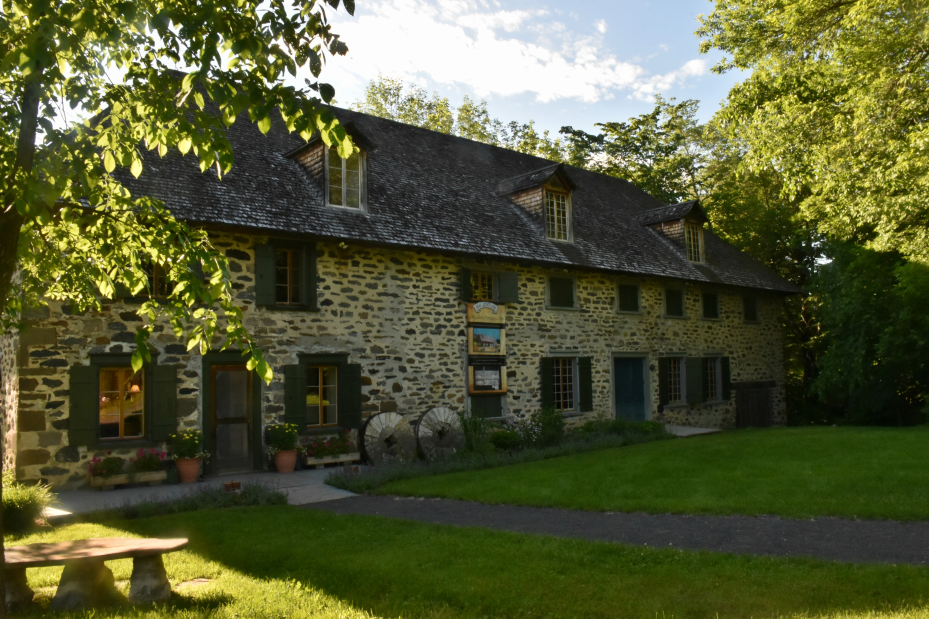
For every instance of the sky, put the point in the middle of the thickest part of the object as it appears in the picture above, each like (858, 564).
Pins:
(556, 63)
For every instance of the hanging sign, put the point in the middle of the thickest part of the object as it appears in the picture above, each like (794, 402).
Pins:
(487, 376)
(486, 312)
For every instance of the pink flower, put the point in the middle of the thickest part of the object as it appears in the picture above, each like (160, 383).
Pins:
(163, 454)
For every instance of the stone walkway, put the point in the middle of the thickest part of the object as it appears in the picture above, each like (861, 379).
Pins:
(832, 539)
(301, 487)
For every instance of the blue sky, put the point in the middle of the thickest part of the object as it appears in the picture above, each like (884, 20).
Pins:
(555, 63)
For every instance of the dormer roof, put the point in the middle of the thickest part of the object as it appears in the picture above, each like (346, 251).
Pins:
(535, 178)
(360, 140)
(684, 210)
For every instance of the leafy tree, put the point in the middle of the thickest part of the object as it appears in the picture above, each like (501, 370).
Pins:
(876, 364)
(837, 103)
(66, 222)
(660, 151)
(390, 98)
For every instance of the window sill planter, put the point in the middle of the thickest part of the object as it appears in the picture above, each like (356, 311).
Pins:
(108, 483)
(188, 469)
(153, 478)
(319, 463)
(285, 460)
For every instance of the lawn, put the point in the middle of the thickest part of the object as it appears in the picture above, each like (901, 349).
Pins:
(296, 563)
(794, 472)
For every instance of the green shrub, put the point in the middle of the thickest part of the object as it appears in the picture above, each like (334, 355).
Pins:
(147, 461)
(475, 428)
(283, 437)
(506, 440)
(23, 504)
(188, 444)
(544, 429)
(106, 467)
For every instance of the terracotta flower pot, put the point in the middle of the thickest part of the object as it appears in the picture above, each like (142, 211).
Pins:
(285, 461)
(188, 469)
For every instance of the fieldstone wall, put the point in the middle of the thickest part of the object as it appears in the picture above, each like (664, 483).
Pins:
(399, 315)
(9, 397)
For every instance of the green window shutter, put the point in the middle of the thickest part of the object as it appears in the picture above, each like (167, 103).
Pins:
(560, 292)
(508, 287)
(726, 378)
(628, 298)
(163, 418)
(295, 395)
(84, 405)
(694, 379)
(674, 302)
(196, 267)
(309, 272)
(486, 406)
(548, 382)
(704, 378)
(664, 372)
(467, 294)
(122, 291)
(710, 305)
(264, 275)
(749, 308)
(349, 395)
(585, 383)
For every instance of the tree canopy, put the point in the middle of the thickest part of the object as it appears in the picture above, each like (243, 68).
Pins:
(837, 104)
(84, 87)
(390, 98)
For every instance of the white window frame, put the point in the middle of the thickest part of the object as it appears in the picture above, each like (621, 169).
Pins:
(717, 364)
(682, 381)
(693, 233)
(362, 181)
(569, 215)
(572, 363)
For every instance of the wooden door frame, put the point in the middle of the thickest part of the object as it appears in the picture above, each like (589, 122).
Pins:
(206, 411)
(646, 380)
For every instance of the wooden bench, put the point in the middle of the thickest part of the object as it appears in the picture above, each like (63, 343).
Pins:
(86, 581)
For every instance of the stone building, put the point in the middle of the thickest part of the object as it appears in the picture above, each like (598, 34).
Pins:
(426, 270)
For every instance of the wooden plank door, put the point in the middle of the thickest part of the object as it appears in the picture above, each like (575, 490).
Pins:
(629, 388)
(753, 408)
(232, 418)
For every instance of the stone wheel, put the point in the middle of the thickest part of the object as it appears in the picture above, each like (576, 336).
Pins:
(439, 433)
(388, 437)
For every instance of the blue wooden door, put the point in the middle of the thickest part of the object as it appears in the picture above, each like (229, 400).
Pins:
(629, 385)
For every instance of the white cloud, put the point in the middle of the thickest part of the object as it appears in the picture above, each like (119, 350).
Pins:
(489, 50)
(646, 90)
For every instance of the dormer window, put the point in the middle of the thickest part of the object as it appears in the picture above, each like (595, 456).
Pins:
(693, 237)
(557, 215)
(345, 186)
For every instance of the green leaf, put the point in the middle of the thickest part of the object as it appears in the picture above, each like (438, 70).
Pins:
(136, 167)
(137, 360)
(264, 123)
(109, 161)
(184, 145)
(327, 92)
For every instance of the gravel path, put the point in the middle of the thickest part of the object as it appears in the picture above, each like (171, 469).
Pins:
(833, 539)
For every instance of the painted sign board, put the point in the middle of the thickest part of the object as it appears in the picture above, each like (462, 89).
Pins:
(487, 313)
(486, 378)
(486, 341)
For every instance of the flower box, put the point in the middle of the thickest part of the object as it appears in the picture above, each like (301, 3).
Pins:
(108, 483)
(321, 462)
(152, 478)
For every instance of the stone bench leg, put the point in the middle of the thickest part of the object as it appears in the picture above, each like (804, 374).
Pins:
(85, 583)
(18, 592)
(149, 581)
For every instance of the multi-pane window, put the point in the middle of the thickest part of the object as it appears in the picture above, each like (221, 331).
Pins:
(159, 286)
(564, 384)
(557, 218)
(122, 403)
(750, 308)
(322, 395)
(344, 179)
(692, 238)
(628, 298)
(712, 376)
(675, 379)
(674, 302)
(288, 275)
(710, 305)
(482, 286)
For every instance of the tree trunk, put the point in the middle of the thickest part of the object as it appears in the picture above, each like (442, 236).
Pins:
(11, 222)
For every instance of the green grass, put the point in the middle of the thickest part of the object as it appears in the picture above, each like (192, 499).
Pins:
(295, 563)
(794, 472)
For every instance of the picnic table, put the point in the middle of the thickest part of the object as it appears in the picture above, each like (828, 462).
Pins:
(86, 581)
